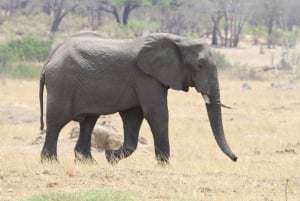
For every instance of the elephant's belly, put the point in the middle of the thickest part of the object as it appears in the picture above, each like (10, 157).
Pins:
(104, 97)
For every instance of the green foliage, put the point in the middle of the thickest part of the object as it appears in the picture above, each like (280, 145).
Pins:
(15, 56)
(6, 55)
(97, 195)
(133, 29)
(27, 49)
(133, 2)
(165, 3)
(72, 23)
(161, 3)
(26, 25)
(295, 57)
(221, 60)
(22, 70)
(258, 31)
(289, 38)
(102, 195)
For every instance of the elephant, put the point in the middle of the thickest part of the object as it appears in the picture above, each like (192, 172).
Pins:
(87, 76)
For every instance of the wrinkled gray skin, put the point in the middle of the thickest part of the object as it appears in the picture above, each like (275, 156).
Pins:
(87, 76)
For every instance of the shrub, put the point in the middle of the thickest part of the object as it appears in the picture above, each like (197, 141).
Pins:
(258, 32)
(99, 195)
(15, 56)
(221, 60)
(6, 56)
(28, 49)
(24, 70)
(133, 29)
(295, 57)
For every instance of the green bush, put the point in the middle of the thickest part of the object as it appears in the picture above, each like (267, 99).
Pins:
(221, 60)
(27, 49)
(6, 55)
(258, 32)
(21, 70)
(24, 70)
(133, 29)
(102, 195)
(99, 195)
(295, 57)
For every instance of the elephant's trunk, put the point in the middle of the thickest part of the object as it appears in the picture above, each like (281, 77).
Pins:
(213, 107)
(215, 119)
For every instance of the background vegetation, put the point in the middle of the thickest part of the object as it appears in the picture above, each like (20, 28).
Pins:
(29, 29)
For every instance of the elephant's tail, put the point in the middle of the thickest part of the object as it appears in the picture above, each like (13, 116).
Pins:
(42, 83)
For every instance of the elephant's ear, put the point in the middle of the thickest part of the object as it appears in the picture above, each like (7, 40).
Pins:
(160, 58)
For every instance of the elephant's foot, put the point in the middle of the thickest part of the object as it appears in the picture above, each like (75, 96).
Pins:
(163, 164)
(84, 158)
(163, 160)
(112, 156)
(47, 157)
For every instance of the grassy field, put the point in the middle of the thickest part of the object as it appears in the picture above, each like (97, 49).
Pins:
(263, 130)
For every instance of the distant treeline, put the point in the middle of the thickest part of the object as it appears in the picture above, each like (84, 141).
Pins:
(274, 21)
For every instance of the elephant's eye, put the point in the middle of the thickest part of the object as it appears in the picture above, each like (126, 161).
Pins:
(201, 63)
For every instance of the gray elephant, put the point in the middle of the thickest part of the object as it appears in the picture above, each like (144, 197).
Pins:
(88, 76)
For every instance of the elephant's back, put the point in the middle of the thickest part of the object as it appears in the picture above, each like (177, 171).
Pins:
(94, 53)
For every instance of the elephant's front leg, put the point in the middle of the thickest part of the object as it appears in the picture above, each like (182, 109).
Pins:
(83, 145)
(132, 120)
(158, 120)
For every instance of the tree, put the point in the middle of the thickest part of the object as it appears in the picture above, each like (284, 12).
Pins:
(237, 13)
(121, 9)
(233, 15)
(216, 12)
(59, 9)
(9, 7)
(272, 10)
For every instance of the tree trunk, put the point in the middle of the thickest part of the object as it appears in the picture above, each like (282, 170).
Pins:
(55, 24)
(215, 32)
(59, 13)
(116, 15)
(237, 35)
(226, 27)
(270, 32)
(47, 8)
(126, 12)
(231, 31)
(216, 21)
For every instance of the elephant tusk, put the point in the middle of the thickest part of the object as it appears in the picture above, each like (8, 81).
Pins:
(206, 98)
(225, 106)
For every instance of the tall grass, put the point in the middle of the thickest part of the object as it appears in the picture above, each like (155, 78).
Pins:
(102, 195)
(94, 195)
(22, 70)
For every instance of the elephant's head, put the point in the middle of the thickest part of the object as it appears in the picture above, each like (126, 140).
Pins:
(180, 63)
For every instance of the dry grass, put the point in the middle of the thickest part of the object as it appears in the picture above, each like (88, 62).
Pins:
(263, 130)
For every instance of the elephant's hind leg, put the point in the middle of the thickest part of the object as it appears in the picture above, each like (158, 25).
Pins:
(132, 120)
(54, 125)
(83, 145)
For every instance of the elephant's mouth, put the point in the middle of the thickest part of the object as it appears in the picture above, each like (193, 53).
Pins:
(207, 101)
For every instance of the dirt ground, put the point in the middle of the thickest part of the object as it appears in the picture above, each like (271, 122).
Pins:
(262, 129)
